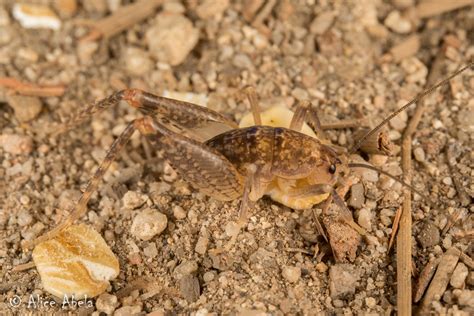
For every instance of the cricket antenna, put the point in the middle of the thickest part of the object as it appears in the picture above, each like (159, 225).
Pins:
(358, 144)
(361, 165)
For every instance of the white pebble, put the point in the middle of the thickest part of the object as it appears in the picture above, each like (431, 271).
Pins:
(106, 303)
(419, 154)
(171, 38)
(137, 61)
(437, 124)
(365, 217)
(148, 223)
(397, 23)
(459, 275)
(370, 302)
(291, 274)
(448, 180)
(132, 200)
(36, 16)
(179, 212)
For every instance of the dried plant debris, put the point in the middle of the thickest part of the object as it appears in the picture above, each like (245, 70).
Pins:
(355, 61)
(76, 263)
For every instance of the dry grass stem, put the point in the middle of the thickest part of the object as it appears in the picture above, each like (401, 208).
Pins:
(122, 19)
(30, 89)
(404, 239)
(441, 279)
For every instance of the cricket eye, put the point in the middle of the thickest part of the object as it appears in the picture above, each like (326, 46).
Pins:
(332, 169)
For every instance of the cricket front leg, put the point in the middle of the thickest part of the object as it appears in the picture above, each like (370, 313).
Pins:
(254, 189)
(305, 113)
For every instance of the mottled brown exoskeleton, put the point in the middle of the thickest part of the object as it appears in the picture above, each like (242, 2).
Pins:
(225, 162)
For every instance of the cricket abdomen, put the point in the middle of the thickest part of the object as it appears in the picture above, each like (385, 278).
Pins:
(245, 146)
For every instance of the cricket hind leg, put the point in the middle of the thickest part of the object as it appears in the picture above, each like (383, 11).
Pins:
(203, 167)
(81, 207)
(184, 114)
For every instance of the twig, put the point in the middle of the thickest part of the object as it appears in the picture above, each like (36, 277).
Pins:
(404, 253)
(30, 89)
(23, 267)
(396, 221)
(453, 218)
(122, 19)
(424, 279)
(430, 8)
(300, 250)
(466, 259)
(441, 279)
(262, 15)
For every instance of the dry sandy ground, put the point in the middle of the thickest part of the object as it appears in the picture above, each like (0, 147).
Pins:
(335, 53)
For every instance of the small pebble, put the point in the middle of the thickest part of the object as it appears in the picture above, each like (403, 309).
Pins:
(231, 229)
(364, 219)
(26, 108)
(208, 277)
(128, 310)
(321, 267)
(4, 17)
(201, 245)
(148, 223)
(370, 302)
(399, 122)
(419, 154)
(291, 274)
(470, 278)
(397, 23)
(137, 61)
(85, 50)
(173, 7)
(179, 212)
(171, 38)
(429, 235)
(357, 198)
(150, 251)
(189, 288)
(16, 144)
(24, 218)
(186, 267)
(370, 175)
(66, 8)
(459, 276)
(437, 124)
(133, 200)
(448, 180)
(342, 280)
(106, 303)
(322, 22)
(466, 298)
(211, 8)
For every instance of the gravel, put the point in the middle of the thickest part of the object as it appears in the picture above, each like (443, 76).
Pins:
(337, 55)
(148, 224)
